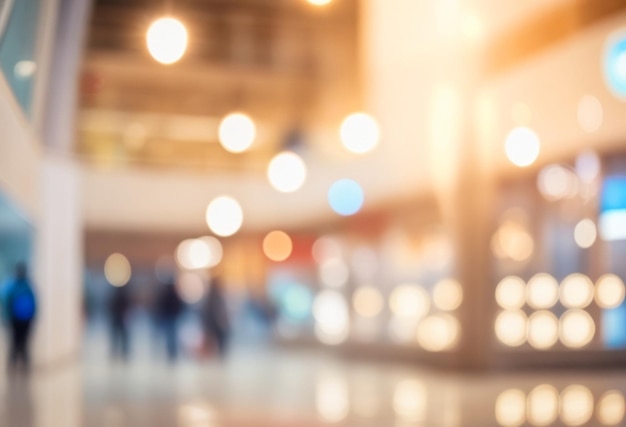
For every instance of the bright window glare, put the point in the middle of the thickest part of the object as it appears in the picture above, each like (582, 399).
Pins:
(167, 40)
(522, 146)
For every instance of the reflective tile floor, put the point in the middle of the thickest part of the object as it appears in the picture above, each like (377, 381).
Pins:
(271, 387)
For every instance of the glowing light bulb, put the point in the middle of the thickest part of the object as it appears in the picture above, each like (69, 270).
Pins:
(359, 133)
(167, 40)
(236, 132)
(224, 216)
(286, 172)
(522, 146)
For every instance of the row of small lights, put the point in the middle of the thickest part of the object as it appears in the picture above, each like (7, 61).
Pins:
(543, 405)
(542, 329)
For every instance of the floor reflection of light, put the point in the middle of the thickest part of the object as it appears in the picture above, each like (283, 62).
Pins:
(510, 327)
(196, 415)
(438, 333)
(610, 291)
(331, 398)
(543, 330)
(511, 408)
(611, 408)
(511, 292)
(330, 311)
(576, 291)
(410, 399)
(576, 405)
(543, 405)
(542, 291)
(577, 328)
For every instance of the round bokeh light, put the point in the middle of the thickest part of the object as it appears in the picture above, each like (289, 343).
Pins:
(346, 197)
(167, 40)
(224, 216)
(236, 132)
(359, 133)
(522, 146)
(286, 172)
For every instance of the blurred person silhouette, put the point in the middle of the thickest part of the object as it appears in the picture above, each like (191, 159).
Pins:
(169, 307)
(119, 307)
(215, 317)
(20, 307)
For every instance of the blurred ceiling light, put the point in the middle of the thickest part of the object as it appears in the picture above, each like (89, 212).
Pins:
(325, 248)
(117, 270)
(576, 291)
(439, 332)
(610, 291)
(611, 408)
(216, 252)
(334, 273)
(24, 69)
(410, 400)
(286, 172)
(588, 166)
(367, 301)
(409, 301)
(193, 254)
(543, 330)
(513, 241)
(576, 405)
(511, 408)
(319, 2)
(236, 132)
(511, 292)
(332, 398)
(447, 295)
(190, 287)
(542, 291)
(224, 216)
(277, 246)
(345, 197)
(577, 328)
(590, 113)
(167, 40)
(332, 318)
(510, 327)
(556, 182)
(522, 146)
(615, 63)
(521, 114)
(543, 405)
(359, 133)
(585, 233)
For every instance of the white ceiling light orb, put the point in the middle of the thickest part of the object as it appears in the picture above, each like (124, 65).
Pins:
(167, 40)
(610, 291)
(522, 146)
(359, 133)
(319, 2)
(192, 254)
(236, 132)
(286, 172)
(542, 291)
(576, 291)
(224, 216)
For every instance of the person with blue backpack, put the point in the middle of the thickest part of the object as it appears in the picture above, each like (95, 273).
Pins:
(20, 309)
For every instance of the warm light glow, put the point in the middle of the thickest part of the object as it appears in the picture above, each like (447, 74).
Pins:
(332, 398)
(522, 146)
(359, 133)
(510, 327)
(611, 408)
(576, 291)
(237, 132)
(511, 292)
(326, 248)
(167, 40)
(577, 328)
(334, 273)
(447, 295)
(439, 332)
(590, 113)
(367, 302)
(277, 246)
(192, 254)
(332, 318)
(319, 2)
(542, 291)
(403, 329)
(410, 400)
(610, 291)
(556, 182)
(511, 408)
(409, 301)
(346, 197)
(216, 251)
(190, 287)
(512, 240)
(286, 172)
(576, 405)
(543, 330)
(585, 233)
(224, 216)
(543, 405)
(117, 270)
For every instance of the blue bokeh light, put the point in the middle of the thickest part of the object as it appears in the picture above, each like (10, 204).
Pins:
(293, 300)
(346, 197)
(615, 64)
